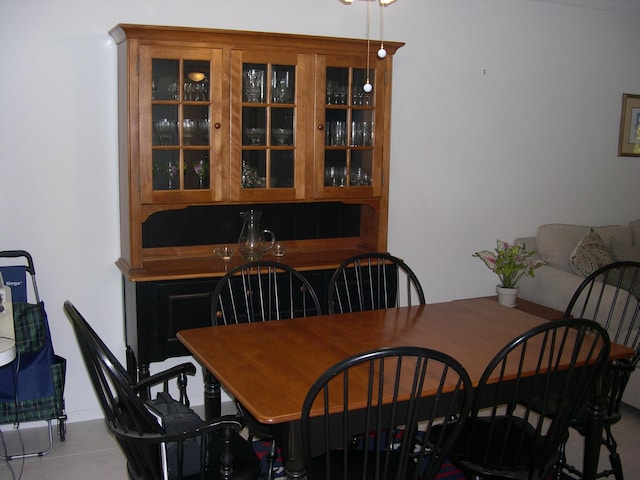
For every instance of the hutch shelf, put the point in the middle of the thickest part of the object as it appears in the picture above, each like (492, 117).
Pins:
(214, 122)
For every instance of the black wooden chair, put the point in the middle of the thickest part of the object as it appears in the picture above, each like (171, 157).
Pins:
(162, 438)
(543, 371)
(610, 296)
(373, 281)
(260, 291)
(370, 415)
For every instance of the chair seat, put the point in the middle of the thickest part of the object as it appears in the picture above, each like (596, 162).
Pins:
(519, 449)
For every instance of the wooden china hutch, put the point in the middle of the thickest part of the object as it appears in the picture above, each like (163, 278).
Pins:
(215, 122)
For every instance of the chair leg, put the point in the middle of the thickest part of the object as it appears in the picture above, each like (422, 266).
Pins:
(614, 456)
(271, 459)
(562, 460)
(616, 464)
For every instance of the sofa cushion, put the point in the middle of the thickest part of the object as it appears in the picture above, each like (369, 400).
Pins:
(622, 252)
(556, 241)
(589, 254)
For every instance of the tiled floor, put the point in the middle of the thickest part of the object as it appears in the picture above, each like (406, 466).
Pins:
(90, 453)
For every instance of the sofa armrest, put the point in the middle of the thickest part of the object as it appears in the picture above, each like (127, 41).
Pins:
(529, 243)
(551, 287)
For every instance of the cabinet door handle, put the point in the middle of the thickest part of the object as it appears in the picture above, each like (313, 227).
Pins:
(217, 125)
(321, 127)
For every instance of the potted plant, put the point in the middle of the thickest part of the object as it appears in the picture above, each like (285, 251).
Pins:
(510, 263)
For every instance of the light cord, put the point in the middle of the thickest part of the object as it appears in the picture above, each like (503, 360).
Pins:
(367, 86)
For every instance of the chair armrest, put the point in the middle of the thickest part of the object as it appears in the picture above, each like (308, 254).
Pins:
(220, 423)
(179, 372)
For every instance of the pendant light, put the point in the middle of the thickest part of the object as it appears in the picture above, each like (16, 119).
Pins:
(382, 52)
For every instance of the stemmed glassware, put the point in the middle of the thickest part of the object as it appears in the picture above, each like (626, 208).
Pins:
(172, 172)
(282, 135)
(254, 85)
(165, 130)
(256, 135)
(200, 169)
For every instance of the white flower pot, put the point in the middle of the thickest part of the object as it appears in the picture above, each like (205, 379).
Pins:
(507, 296)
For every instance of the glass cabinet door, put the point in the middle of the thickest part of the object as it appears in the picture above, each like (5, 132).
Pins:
(180, 97)
(348, 160)
(266, 162)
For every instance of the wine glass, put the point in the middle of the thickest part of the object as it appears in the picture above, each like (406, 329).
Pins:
(200, 170)
(172, 172)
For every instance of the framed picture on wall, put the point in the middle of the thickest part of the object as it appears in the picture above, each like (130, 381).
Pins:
(629, 143)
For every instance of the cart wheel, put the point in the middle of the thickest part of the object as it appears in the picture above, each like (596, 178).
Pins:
(62, 429)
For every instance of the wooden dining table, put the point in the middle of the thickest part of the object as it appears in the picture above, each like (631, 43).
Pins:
(269, 367)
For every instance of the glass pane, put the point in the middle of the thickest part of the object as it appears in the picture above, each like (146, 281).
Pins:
(361, 166)
(337, 85)
(282, 126)
(254, 121)
(282, 84)
(166, 170)
(164, 79)
(254, 169)
(282, 169)
(253, 76)
(195, 125)
(165, 124)
(196, 81)
(335, 168)
(358, 95)
(196, 171)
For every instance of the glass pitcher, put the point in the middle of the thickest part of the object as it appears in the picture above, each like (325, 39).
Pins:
(252, 242)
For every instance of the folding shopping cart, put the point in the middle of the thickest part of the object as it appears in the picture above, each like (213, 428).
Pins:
(32, 385)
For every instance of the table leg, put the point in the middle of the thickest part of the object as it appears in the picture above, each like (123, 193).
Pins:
(289, 438)
(212, 396)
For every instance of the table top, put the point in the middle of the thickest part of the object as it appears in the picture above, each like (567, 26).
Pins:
(269, 367)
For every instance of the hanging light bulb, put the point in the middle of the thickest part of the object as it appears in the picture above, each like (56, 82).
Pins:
(382, 52)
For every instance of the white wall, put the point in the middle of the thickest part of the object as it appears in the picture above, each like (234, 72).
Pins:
(505, 116)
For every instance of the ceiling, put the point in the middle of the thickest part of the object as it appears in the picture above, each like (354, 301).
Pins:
(621, 6)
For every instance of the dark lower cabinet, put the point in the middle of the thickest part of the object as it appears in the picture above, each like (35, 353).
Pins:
(156, 310)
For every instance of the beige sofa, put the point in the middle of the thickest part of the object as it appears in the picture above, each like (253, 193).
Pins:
(555, 283)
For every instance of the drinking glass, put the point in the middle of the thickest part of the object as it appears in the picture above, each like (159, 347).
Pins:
(281, 90)
(188, 129)
(224, 252)
(164, 129)
(254, 85)
(172, 172)
(279, 249)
